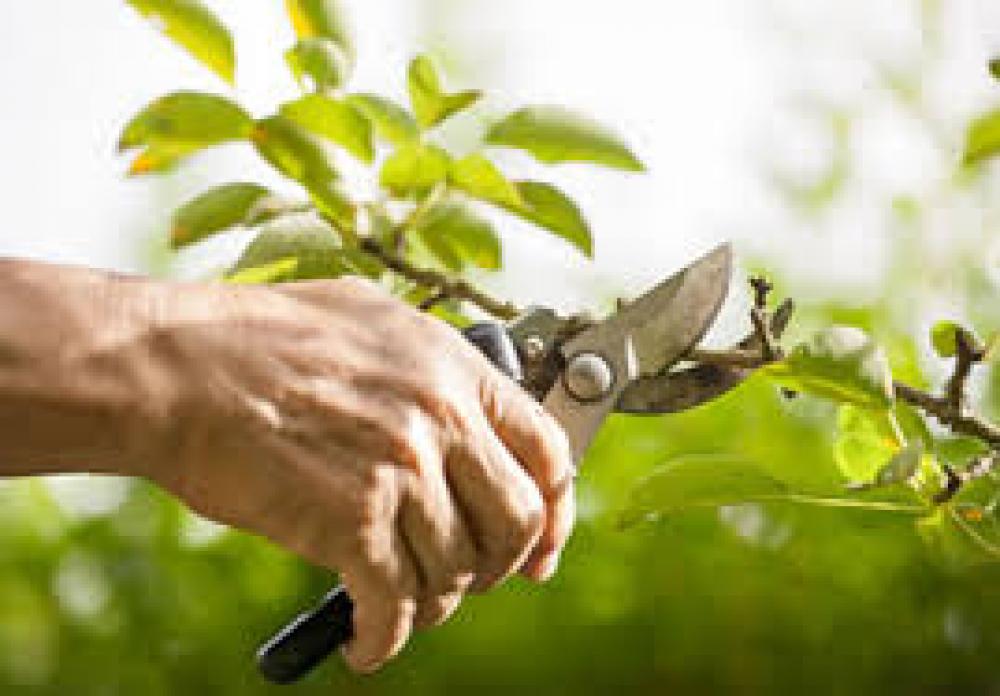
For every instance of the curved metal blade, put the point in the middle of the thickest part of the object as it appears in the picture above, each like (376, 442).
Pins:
(643, 338)
(673, 391)
(667, 321)
(679, 391)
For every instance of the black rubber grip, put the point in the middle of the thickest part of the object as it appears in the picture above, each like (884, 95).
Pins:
(313, 635)
(308, 639)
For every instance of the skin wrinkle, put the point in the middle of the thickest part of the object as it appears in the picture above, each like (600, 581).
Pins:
(439, 539)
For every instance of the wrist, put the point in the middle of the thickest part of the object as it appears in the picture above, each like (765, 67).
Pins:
(75, 369)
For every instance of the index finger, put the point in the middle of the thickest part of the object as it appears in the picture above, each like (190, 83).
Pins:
(539, 444)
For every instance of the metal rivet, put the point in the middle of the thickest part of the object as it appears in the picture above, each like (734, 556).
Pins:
(588, 377)
(533, 347)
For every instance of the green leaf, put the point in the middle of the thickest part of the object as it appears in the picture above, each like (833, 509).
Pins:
(391, 122)
(944, 338)
(430, 102)
(480, 178)
(180, 124)
(457, 237)
(190, 24)
(840, 363)
(902, 466)
(982, 140)
(315, 247)
(690, 482)
(335, 206)
(549, 208)
(554, 135)
(215, 210)
(959, 451)
(294, 152)
(323, 61)
(864, 444)
(320, 19)
(994, 67)
(414, 169)
(274, 272)
(334, 120)
(158, 158)
(701, 481)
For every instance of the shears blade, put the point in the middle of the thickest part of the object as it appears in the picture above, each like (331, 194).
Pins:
(668, 320)
(642, 338)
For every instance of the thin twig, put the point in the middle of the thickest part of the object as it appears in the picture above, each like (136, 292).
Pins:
(943, 410)
(762, 321)
(745, 358)
(979, 468)
(967, 354)
(761, 348)
(454, 288)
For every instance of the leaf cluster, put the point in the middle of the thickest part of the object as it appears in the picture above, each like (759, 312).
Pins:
(432, 203)
(888, 458)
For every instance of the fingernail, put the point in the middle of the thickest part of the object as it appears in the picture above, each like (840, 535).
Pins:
(547, 567)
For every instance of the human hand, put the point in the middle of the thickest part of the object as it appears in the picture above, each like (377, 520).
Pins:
(366, 437)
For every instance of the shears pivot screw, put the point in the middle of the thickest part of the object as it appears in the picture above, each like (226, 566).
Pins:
(588, 377)
(533, 347)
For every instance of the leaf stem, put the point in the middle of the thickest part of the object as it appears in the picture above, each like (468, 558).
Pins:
(977, 538)
(876, 505)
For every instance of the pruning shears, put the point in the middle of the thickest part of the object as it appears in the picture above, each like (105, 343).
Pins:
(581, 371)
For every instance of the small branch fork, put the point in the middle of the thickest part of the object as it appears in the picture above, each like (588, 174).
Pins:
(949, 409)
(759, 349)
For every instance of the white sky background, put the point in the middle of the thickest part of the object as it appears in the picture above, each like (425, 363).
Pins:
(708, 91)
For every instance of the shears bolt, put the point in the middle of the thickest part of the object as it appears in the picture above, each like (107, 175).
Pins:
(533, 347)
(588, 377)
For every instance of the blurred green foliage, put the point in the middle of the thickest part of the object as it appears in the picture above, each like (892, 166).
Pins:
(111, 587)
(133, 595)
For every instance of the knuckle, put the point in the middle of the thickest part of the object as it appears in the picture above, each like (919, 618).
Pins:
(501, 561)
(414, 444)
(523, 528)
(437, 396)
(375, 499)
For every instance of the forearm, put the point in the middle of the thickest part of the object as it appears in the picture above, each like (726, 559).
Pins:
(76, 369)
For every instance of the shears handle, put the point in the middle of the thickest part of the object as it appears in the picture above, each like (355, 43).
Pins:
(311, 636)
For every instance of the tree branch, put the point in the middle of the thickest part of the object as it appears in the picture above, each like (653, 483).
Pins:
(761, 348)
(979, 468)
(744, 358)
(944, 411)
(967, 354)
(447, 287)
(761, 320)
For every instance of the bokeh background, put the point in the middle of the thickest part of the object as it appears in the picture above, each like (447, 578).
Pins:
(822, 137)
